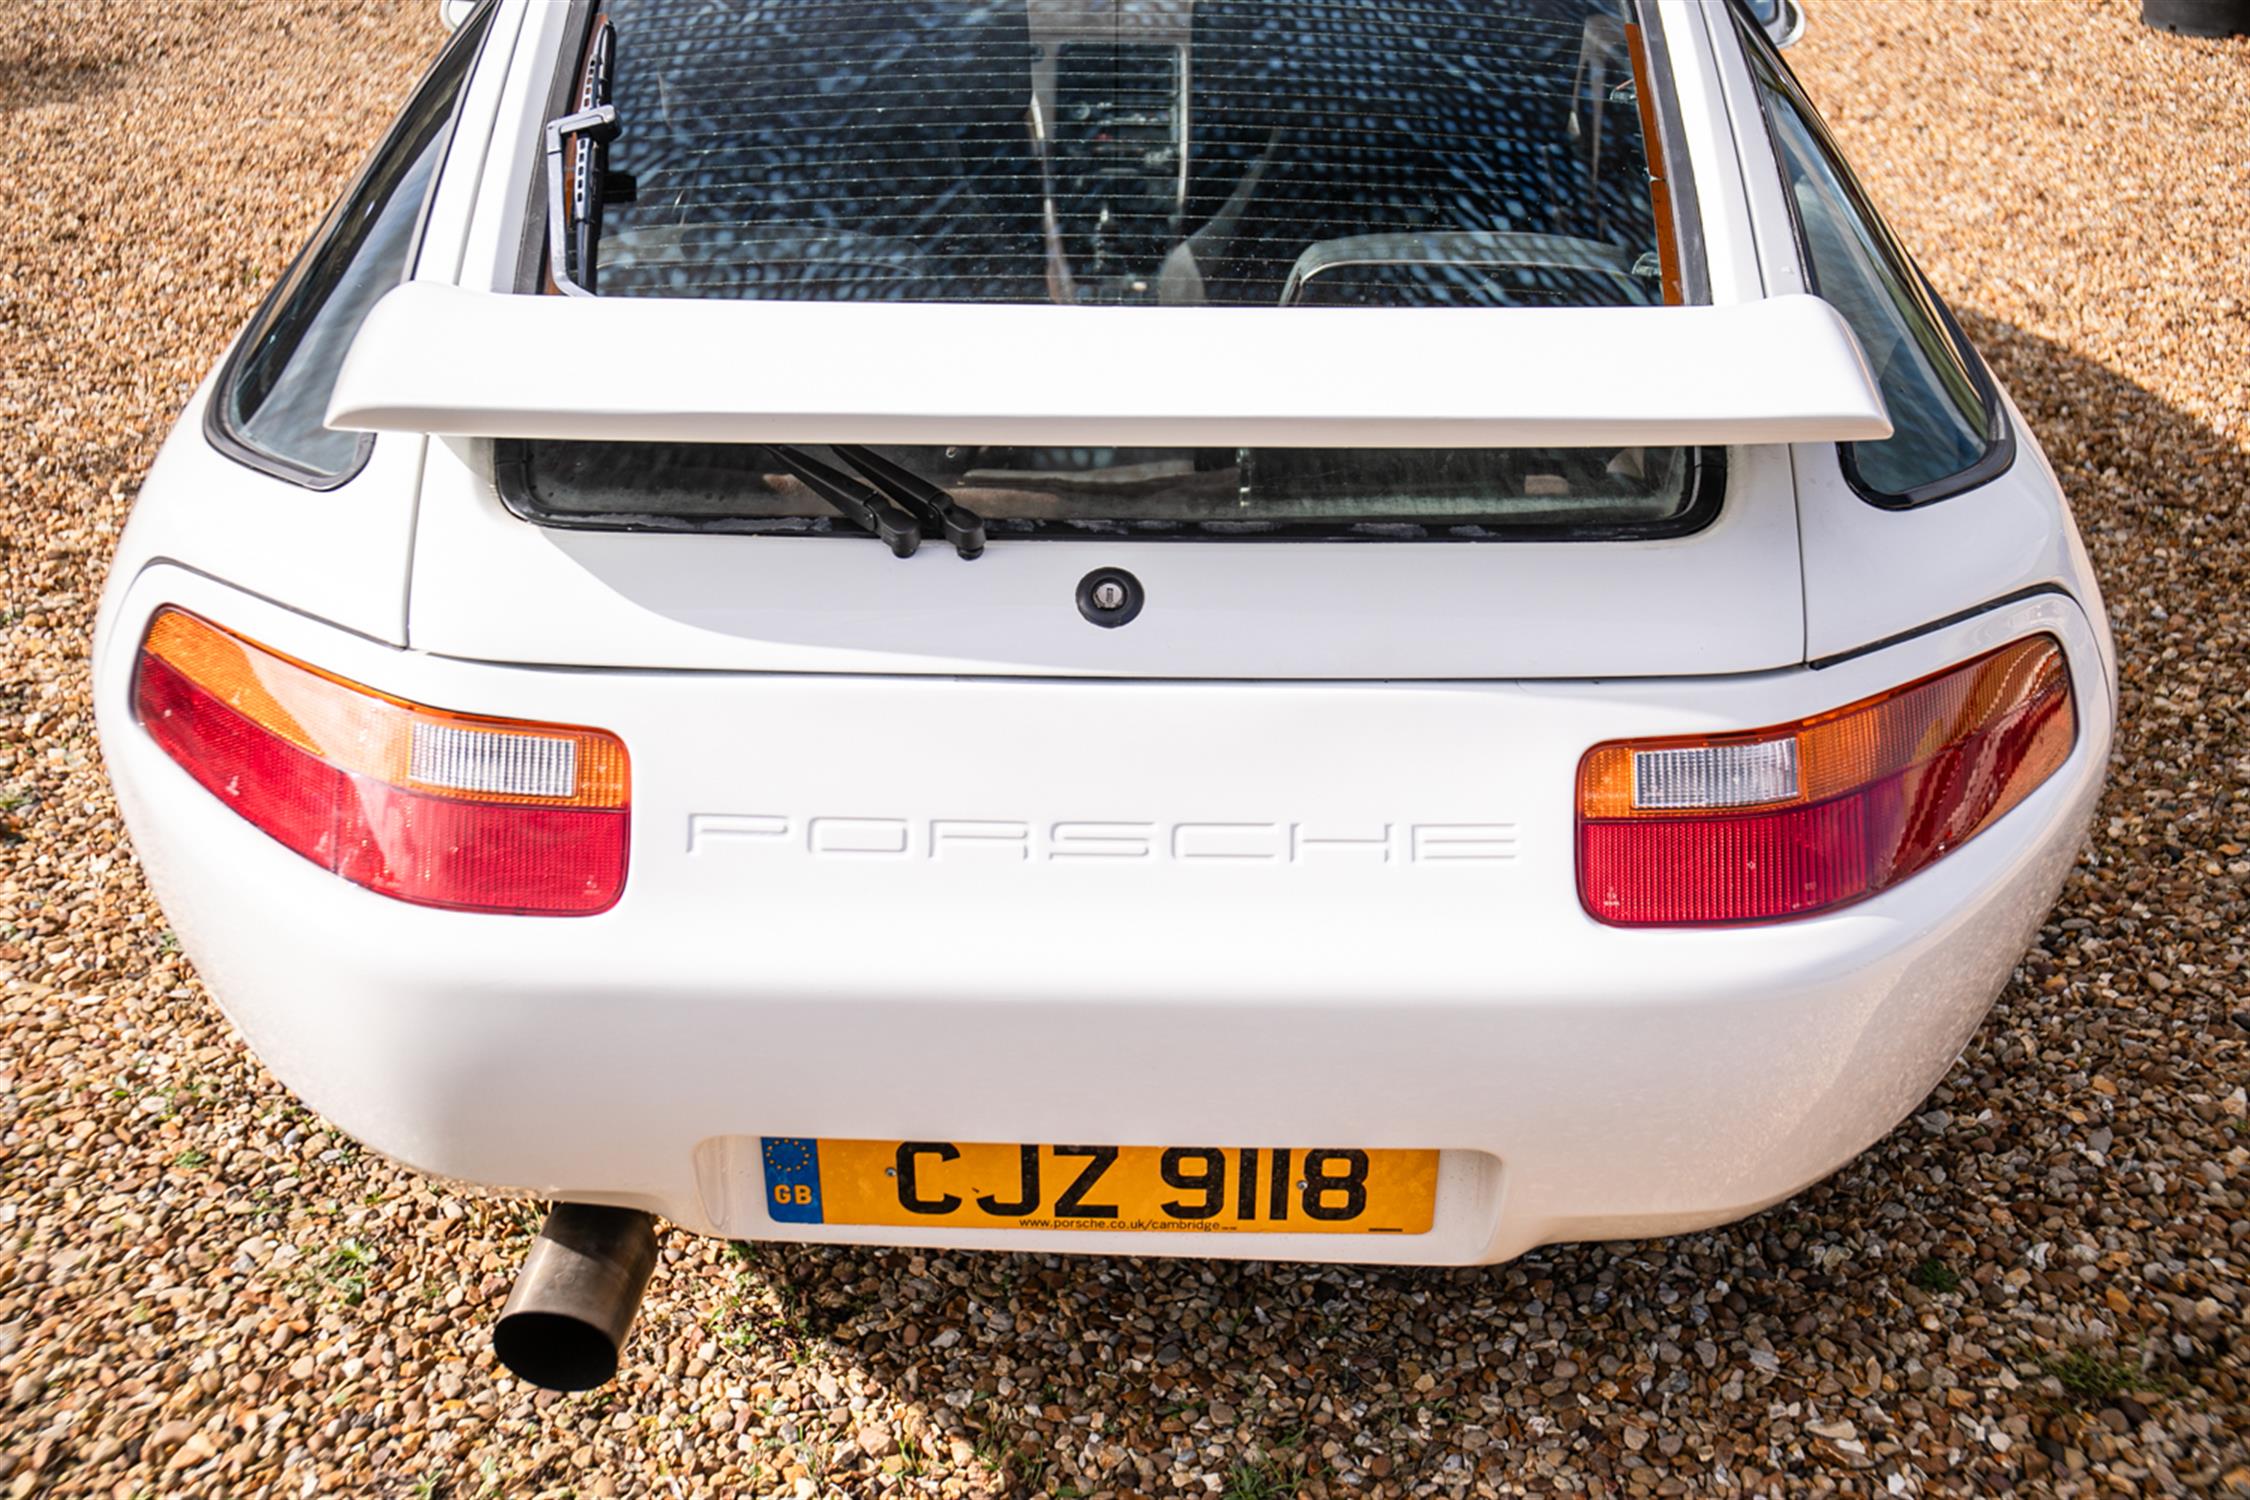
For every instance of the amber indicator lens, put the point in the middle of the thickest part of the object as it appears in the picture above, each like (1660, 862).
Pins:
(426, 806)
(1802, 818)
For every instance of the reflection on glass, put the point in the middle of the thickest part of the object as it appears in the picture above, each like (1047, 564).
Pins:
(1106, 151)
(1017, 490)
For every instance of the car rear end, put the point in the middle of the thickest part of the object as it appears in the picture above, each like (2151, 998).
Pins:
(1456, 847)
(1158, 913)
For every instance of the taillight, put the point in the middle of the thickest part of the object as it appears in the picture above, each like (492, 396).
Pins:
(1805, 817)
(440, 809)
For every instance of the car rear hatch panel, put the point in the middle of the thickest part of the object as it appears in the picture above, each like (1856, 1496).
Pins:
(489, 586)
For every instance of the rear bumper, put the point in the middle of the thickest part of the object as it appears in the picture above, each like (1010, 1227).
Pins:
(1365, 937)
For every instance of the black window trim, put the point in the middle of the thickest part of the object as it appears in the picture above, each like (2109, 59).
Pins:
(531, 258)
(1708, 468)
(2000, 432)
(216, 428)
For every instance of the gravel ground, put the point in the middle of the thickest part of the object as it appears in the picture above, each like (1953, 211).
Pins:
(2037, 1284)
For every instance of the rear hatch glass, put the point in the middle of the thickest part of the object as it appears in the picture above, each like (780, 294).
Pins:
(1189, 153)
(1458, 494)
(1230, 152)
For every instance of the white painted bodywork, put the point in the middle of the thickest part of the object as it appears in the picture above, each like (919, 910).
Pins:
(917, 853)
(1871, 574)
(455, 363)
(347, 552)
(487, 586)
(1132, 912)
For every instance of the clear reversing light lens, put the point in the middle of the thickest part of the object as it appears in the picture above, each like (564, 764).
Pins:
(1715, 775)
(434, 808)
(1801, 818)
(484, 760)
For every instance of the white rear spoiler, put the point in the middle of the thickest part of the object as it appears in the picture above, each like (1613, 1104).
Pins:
(438, 359)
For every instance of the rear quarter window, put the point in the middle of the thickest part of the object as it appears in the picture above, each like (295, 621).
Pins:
(1951, 433)
(272, 399)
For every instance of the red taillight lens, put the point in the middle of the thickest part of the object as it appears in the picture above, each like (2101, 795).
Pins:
(1801, 818)
(440, 809)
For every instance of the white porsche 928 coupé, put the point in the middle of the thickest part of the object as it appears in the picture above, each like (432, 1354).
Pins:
(1277, 628)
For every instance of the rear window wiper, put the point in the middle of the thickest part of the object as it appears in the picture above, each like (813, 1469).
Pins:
(864, 505)
(963, 527)
(575, 196)
(892, 501)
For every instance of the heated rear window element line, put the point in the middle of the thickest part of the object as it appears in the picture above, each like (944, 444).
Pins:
(1229, 152)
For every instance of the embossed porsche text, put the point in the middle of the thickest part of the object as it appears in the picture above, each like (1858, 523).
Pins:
(1081, 840)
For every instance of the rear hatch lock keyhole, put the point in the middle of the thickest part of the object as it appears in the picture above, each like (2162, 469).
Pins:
(1110, 597)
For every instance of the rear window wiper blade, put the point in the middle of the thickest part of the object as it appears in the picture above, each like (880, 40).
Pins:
(860, 503)
(963, 527)
(576, 193)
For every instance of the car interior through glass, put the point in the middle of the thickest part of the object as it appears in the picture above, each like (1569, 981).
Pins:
(1278, 154)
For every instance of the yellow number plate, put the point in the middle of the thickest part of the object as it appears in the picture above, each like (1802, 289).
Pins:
(1216, 1189)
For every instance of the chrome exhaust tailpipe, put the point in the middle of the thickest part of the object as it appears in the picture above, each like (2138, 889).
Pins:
(573, 1303)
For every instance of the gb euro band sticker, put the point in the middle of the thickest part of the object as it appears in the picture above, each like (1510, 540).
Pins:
(792, 1179)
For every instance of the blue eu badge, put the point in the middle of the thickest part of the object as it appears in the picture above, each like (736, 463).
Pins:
(792, 1179)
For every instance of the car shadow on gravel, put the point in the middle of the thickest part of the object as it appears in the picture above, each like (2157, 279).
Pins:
(46, 79)
(2013, 1277)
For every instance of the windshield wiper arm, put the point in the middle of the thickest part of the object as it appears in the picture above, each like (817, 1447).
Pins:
(861, 504)
(575, 193)
(963, 527)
